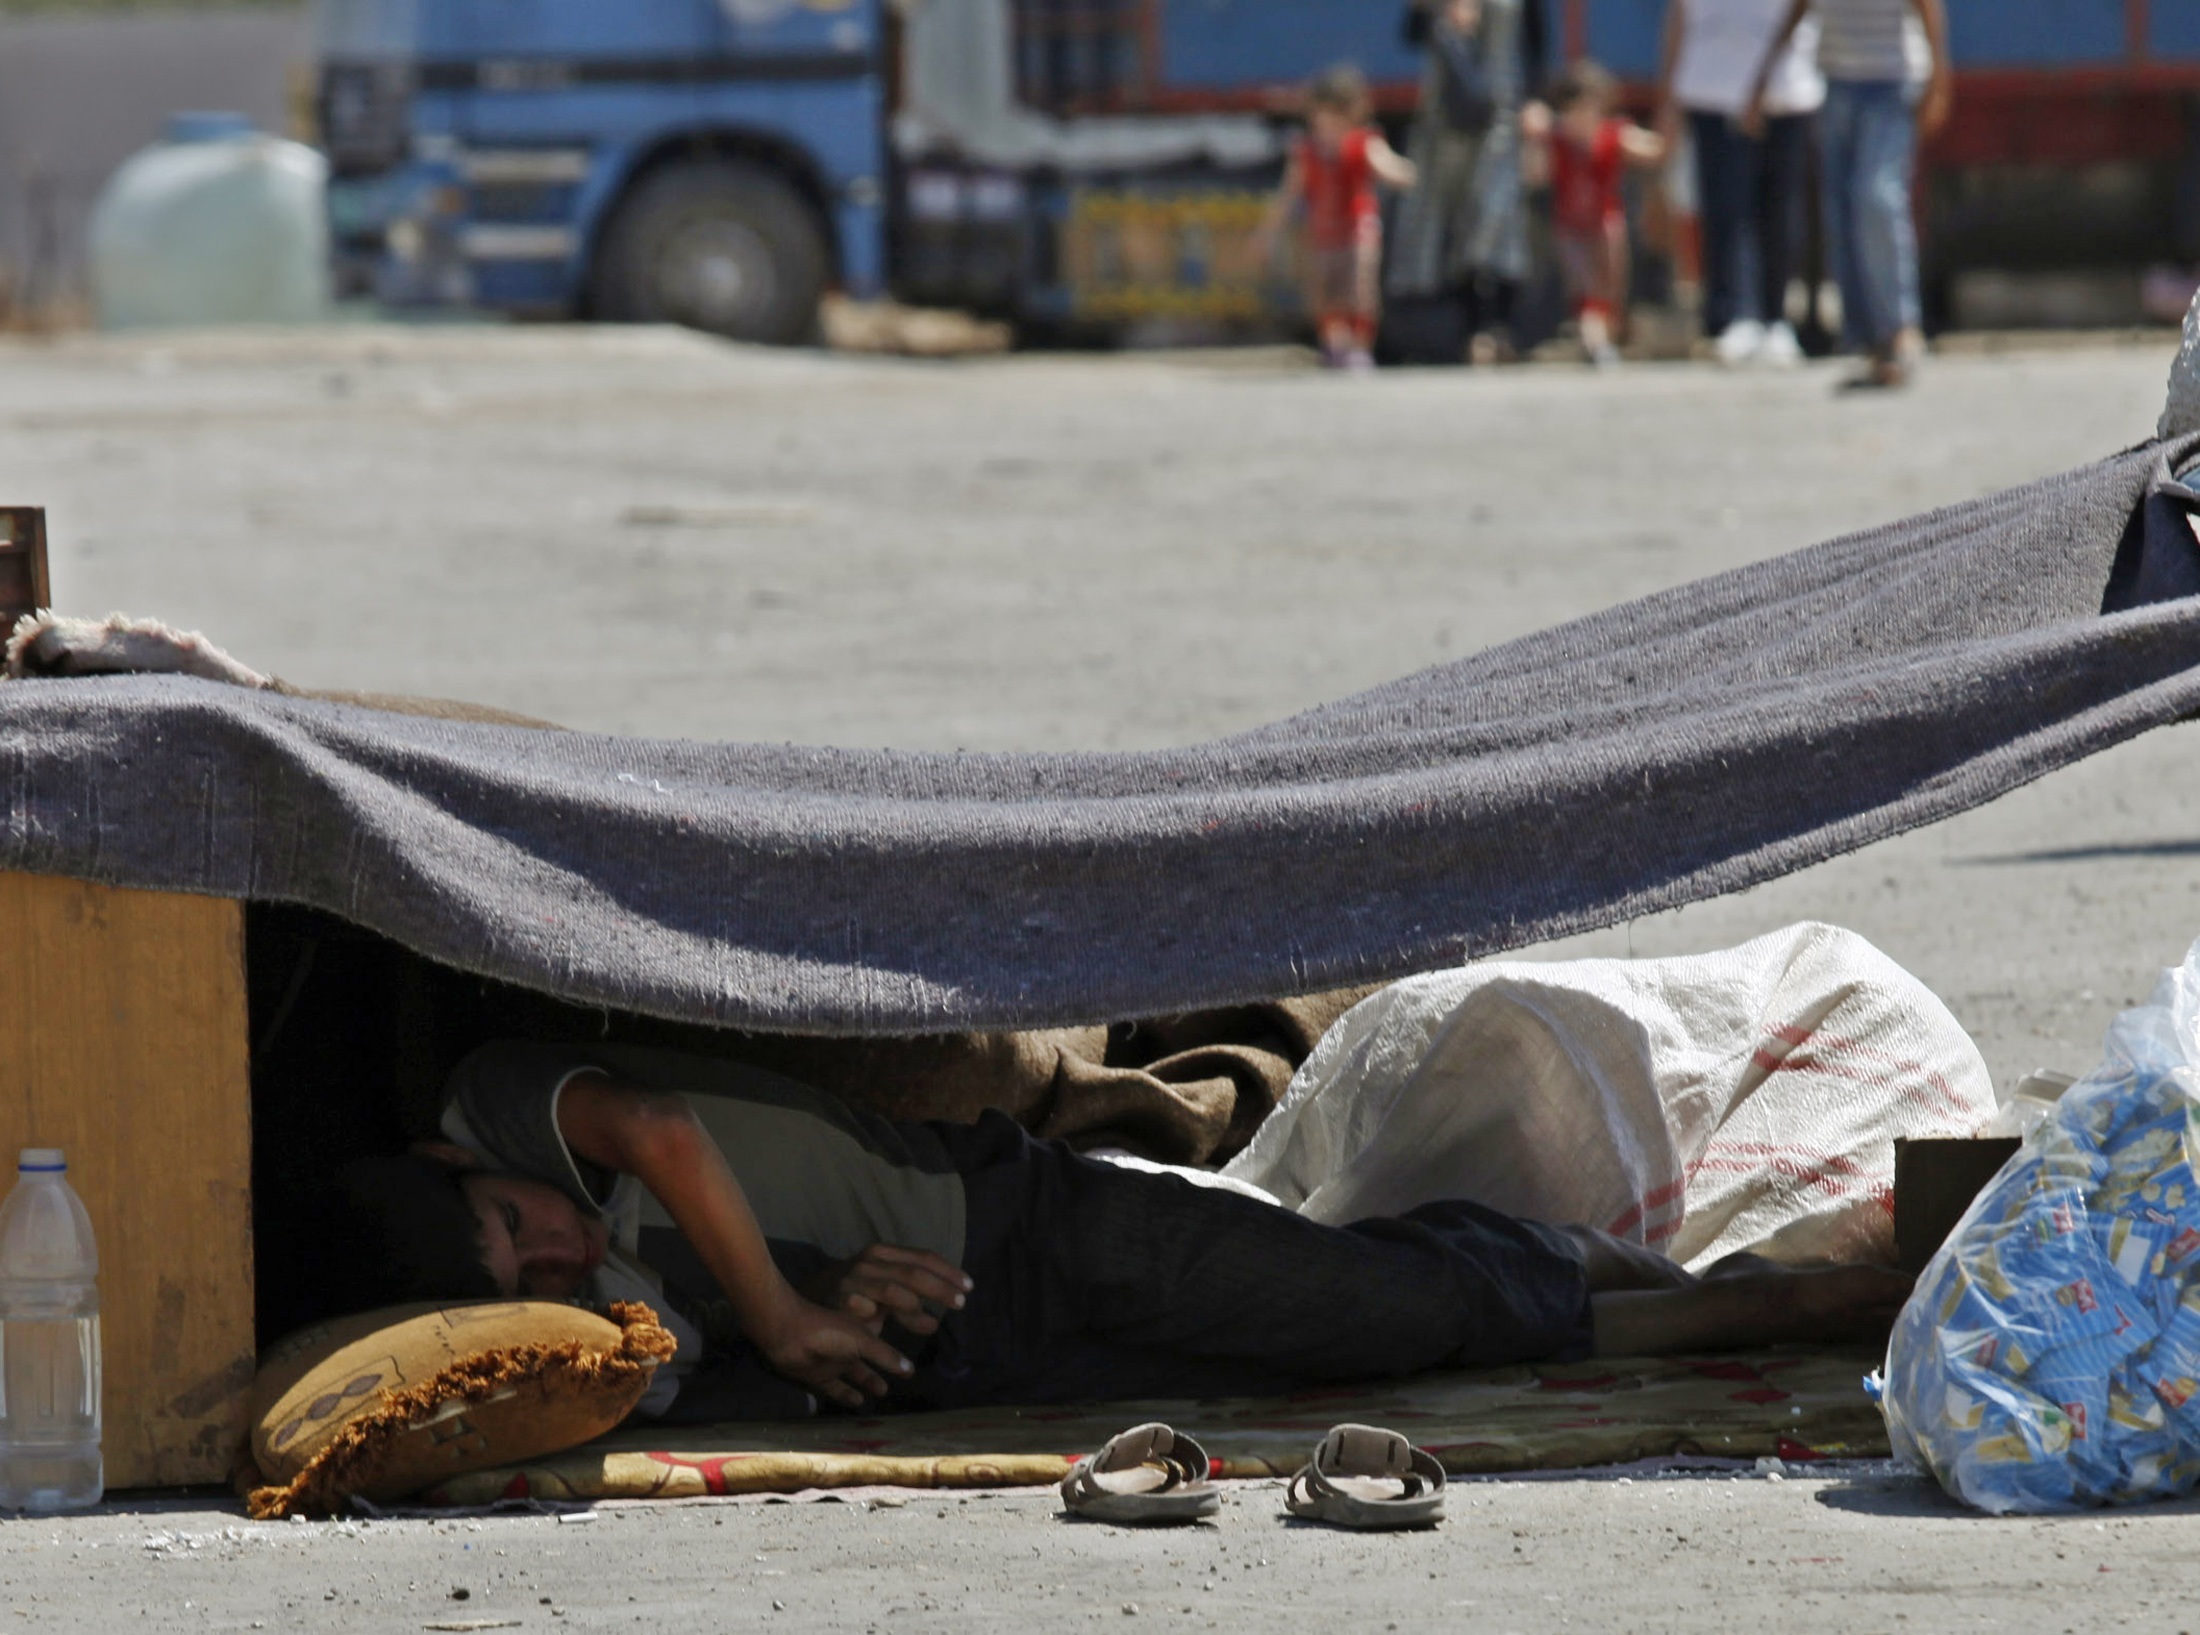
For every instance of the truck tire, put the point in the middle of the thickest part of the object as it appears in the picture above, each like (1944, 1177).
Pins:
(717, 245)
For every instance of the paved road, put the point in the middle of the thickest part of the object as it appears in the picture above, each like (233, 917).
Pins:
(1641, 1556)
(645, 532)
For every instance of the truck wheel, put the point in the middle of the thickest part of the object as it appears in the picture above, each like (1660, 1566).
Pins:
(717, 245)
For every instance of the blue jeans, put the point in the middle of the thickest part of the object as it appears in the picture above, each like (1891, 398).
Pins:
(1747, 197)
(1867, 136)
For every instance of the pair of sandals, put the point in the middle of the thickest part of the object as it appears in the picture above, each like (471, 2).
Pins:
(1360, 1476)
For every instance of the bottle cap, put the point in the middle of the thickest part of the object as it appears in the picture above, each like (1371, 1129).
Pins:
(40, 1161)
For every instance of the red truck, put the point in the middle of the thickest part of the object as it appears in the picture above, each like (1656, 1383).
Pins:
(2074, 147)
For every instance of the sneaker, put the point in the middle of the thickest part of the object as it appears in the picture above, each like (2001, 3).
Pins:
(1359, 361)
(1739, 342)
(1780, 349)
(1604, 356)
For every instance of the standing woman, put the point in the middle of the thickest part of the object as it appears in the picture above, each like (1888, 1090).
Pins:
(1749, 188)
(1462, 233)
(1889, 85)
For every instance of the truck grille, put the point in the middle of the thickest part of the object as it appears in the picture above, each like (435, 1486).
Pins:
(1080, 56)
(363, 111)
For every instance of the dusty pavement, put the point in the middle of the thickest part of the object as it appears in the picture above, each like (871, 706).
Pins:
(1863, 1552)
(1633, 1556)
(646, 532)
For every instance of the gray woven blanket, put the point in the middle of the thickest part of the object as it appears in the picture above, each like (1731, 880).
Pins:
(1673, 748)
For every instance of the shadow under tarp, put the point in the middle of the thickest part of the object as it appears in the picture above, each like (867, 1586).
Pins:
(355, 1036)
(1791, 1403)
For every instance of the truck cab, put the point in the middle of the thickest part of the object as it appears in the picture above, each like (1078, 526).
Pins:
(717, 163)
(721, 163)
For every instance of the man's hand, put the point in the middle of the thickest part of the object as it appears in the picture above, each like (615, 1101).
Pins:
(656, 1137)
(833, 1354)
(889, 1284)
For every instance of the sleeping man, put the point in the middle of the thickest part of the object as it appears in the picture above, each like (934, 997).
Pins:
(786, 1237)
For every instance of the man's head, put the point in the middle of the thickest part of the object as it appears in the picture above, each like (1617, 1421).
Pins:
(430, 1226)
(534, 1240)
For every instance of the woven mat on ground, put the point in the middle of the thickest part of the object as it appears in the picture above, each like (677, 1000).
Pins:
(1794, 1403)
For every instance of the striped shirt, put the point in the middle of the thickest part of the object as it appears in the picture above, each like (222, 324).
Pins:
(1872, 40)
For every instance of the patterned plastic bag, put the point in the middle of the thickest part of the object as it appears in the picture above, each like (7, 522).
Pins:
(2050, 1357)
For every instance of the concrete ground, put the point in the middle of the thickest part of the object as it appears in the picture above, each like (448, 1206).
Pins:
(1636, 1556)
(645, 532)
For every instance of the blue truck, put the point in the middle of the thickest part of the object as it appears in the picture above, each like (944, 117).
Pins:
(1094, 163)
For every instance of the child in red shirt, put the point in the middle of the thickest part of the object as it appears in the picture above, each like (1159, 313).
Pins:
(1332, 175)
(1582, 156)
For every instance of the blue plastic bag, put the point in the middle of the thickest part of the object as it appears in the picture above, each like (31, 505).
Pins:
(2050, 1356)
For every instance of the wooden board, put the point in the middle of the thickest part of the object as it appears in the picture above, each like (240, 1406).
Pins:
(123, 1040)
(23, 584)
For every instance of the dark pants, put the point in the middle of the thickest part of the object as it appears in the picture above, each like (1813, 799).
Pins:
(1486, 304)
(1094, 1282)
(1749, 194)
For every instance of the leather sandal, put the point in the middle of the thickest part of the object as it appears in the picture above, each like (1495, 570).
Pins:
(1149, 1474)
(1364, 1476)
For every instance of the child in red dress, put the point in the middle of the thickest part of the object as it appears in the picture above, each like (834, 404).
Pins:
(1332, 175)
(1582, 158)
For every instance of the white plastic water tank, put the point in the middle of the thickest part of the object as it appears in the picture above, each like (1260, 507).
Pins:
(218, 224)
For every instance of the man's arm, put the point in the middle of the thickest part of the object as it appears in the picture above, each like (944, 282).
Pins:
(656, 1138)
(1753, 111)
(1932, 109)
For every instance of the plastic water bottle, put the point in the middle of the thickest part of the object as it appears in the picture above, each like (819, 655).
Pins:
(49, 1341)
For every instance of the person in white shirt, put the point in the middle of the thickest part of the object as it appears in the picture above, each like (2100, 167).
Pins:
(1748, 188)
(1888, 84)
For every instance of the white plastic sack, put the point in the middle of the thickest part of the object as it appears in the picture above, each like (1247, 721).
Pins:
(1745, 1099)
(2050, 1356)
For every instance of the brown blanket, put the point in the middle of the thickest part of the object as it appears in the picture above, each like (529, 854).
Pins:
(1178, 1089)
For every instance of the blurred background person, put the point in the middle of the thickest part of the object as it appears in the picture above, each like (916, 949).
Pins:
(1583, 160)
(1331, 178)
(1462, 233)
(1749, 189)
(1888, 84)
